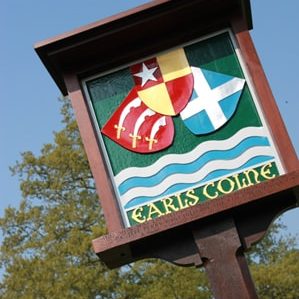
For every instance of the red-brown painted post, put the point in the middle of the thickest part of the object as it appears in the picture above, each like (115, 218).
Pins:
(223, 257)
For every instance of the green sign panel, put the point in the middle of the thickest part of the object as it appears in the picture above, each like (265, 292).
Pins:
(181, 128)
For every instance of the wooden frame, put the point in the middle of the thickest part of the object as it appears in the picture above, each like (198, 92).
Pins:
(59, 53)
(165, 24)
(248, 77)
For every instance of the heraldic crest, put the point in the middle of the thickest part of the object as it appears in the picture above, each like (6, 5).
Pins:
(167, 86)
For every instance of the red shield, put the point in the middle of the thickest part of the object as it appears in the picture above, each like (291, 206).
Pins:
(138, 128)
(164, 83)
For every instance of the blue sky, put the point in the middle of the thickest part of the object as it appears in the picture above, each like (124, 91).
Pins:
(29, 109)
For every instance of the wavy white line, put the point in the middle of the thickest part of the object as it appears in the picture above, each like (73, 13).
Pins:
(198, 175)
(190, 156)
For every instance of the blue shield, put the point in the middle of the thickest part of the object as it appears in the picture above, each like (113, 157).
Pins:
(213, 102)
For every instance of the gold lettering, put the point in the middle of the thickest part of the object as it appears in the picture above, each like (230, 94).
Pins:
(266, 173)
(242, 184)
(207, 194)
(153, 210)
(194, 199)
(169, 205)
(181, 204)
(256, 176)
(231, 185)
(137, 215)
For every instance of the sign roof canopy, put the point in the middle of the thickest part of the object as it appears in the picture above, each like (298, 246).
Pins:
(136, 33)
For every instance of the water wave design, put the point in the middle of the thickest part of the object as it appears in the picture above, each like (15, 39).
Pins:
(193, 166)
(184, 186)
(176, 172)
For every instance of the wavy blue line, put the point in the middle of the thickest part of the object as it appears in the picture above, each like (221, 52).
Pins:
(211, 176)
(192, 167)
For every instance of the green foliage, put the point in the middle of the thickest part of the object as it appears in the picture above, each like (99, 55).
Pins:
(273, 247)
(158, 279)
(280, 279)
(275, 265)
(46, 249)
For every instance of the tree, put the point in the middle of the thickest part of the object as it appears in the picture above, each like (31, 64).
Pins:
(279, 279)
(275, 265)
(46, 247)
(46, 250)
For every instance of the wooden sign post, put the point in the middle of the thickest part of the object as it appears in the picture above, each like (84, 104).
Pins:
(190, 156)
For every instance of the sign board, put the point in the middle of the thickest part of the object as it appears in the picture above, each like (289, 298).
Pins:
(162, 161)
(182, 133)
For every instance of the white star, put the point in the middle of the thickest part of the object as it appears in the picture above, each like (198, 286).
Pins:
(146, 74)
